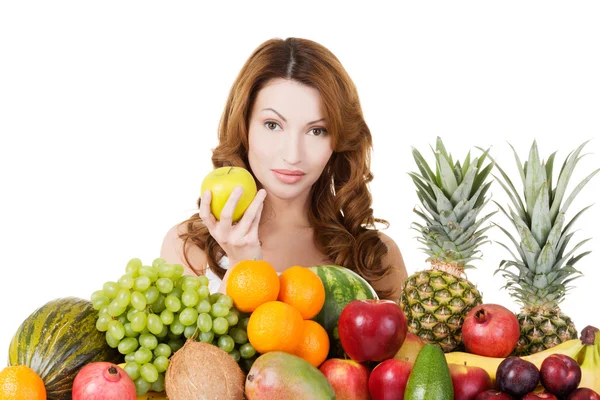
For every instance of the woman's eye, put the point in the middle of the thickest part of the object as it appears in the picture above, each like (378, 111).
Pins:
(270, 123)
(318, 131)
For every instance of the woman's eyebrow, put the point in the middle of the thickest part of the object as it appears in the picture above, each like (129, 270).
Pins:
(285, 120)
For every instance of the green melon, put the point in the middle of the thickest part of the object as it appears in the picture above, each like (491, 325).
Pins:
(341, 287)
(59, 339)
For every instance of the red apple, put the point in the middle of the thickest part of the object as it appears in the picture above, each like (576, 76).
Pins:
(539, 395)
(349, 379)
(372, 330)
(583, 394)
(490, 330)
(388, 379)
(410, 348)
(493, 395)
(560, 374)
(469, 381)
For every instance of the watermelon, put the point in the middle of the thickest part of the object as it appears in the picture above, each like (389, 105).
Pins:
(59, 339)
(341, 287)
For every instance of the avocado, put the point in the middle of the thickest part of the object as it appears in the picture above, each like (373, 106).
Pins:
(430, 377)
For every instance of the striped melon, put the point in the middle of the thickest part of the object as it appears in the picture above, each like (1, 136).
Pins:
(59, 339)
(341, 287)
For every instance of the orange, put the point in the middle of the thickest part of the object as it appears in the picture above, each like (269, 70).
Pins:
(21, 383)
(275, 326)
(252, 283)
(314, 345)
(302, 289)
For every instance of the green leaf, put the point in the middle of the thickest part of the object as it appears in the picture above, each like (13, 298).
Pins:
(463, 191)
(520, 167)
(576, 191)
(560, 262)
(449, 183)
(442, 204)
(528, 243)
(516, 201)
(549, 167)
(540, 217)
(426, 172)
(466, 164)
(546, 259)
(535, 177)
(563, 179)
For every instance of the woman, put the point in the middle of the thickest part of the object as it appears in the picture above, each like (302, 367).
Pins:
(293, 119)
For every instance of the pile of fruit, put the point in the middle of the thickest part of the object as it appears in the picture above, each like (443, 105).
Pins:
(321, 332)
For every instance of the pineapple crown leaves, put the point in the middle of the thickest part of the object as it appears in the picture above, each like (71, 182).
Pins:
(542, 267)
(451, 199)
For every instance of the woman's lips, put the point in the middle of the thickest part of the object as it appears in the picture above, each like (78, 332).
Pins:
(288, 176)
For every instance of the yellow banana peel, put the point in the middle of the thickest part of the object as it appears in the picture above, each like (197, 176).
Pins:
(570, 348)
(590, 360)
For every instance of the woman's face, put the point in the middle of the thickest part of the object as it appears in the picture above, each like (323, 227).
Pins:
(289, 143)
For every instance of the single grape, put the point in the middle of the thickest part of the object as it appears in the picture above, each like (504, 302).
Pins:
(159, 384)
(143, 355)
(141, 386)
(114, 309)
(103, 311)
(244, 324)
(162, 350)
(203, 291)
(96, 295)
(189, 331)
(214, 297)
(178, 271)
(157, 262)
(164, 285)
(148, 341)
(128, 345)
(154, 324)
(177, 292)
(123, 297)
(130, 357)
(203, 281)
(116, 329)
(177, 327)
(207, 337)
(167, 317)
(247, 351)
(204, 322)
(148, 372)
(126, 281)
(225, 300)
(149, 272)
(220, 326)
(130, 332)
(151, 294)
(232, 318)
(166, 271)
(190, 298)
(141, 283)
(159, 305)
(219, 310)
(102, 323)
(175, 344)
(190, 283)
(238, 335)
(111, 341)
(226, 343)
(133, 370)
(130, 313)
(134, 263)
(122, 318)
(163, 333)
(204, 306)
(111, 289)
(188, 316)
(235, 354)
(138, 322)
(161, 363)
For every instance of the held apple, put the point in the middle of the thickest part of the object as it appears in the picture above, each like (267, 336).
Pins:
(490, 330)
(388, 379)
(469, 381)
(221, 183)
(372, 330)
(349, 379)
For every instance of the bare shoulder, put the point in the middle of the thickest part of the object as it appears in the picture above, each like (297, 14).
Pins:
(396, 274)
(172, 251)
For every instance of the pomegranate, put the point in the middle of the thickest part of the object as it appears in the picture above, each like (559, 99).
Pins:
(103, 381)
(490, 330)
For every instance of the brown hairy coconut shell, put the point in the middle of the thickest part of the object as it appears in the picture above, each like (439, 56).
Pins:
(202, 371)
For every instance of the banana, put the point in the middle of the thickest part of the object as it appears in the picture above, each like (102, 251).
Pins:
(570, 348)
(590, 360)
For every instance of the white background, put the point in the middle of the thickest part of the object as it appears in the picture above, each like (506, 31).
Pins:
(109, 112)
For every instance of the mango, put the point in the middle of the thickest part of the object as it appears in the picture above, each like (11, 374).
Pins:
(283, 376)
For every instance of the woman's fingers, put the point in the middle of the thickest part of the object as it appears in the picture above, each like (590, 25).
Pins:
(243, 226)
(253, 231)
(226, 216)
(205, 214)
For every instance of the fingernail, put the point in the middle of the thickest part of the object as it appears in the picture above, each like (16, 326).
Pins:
(206, 193)
(237, 190)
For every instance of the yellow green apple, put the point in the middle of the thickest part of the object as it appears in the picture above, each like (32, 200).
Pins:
(221, 182)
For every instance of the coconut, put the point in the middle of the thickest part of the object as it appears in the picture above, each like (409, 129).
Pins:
(202, 371)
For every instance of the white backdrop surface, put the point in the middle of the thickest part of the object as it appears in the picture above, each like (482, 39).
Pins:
(109, 112)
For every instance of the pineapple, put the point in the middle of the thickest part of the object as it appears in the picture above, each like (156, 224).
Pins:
(538, 275)
(436, 301)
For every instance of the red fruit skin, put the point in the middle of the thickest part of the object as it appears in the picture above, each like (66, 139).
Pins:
(388, 379)
(560, 374)
(372, 330)
(103, 381)
(493, 395)
(583, 394)
(538, 396)
(490, 330)
(469, 381)
(349, 379)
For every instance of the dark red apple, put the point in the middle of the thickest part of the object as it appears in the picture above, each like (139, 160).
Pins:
(516, 376)
(490, 330)
(493, 395)
(539, 395)
(349, 379)
(372, 330)
(410, 348)
(583, 394)
(388, 379)
(469, 381)
(560, 374)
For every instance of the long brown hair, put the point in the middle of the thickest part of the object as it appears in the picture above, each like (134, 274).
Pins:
(340, 210)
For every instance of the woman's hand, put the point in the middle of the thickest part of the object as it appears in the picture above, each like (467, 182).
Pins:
(239, 240)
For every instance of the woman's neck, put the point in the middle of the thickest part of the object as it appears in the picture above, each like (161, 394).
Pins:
(285, 213)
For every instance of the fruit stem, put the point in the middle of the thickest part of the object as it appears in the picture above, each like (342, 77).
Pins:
(588, 335)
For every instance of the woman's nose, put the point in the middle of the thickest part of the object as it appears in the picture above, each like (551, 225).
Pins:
(292, 152)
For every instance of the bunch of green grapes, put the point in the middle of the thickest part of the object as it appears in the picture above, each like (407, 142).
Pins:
(150, 312)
